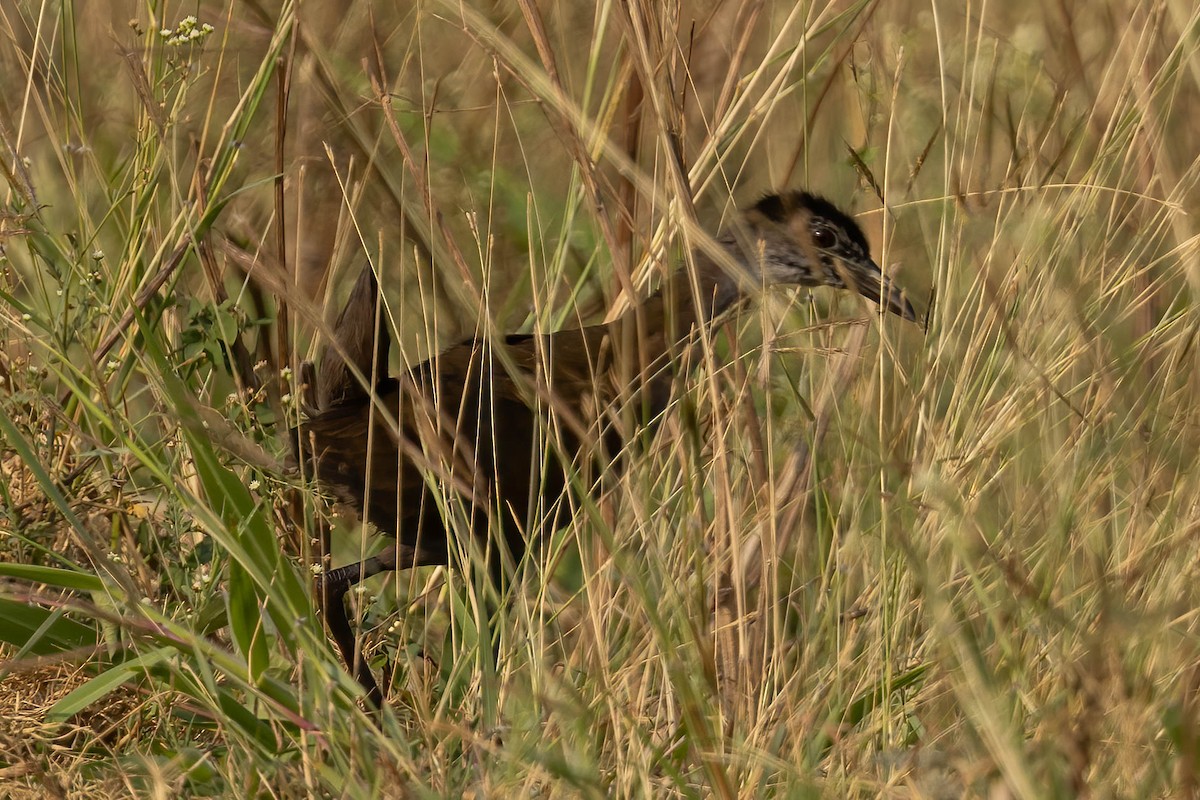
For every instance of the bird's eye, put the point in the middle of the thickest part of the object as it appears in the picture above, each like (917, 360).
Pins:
(824, 238)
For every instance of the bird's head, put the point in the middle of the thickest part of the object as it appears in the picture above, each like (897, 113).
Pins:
(804, 240)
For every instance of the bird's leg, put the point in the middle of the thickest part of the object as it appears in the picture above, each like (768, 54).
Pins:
(332, 588)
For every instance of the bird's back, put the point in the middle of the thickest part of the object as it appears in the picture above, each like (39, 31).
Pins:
(487, 433)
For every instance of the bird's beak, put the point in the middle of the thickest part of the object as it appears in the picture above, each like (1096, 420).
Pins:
(868, 279)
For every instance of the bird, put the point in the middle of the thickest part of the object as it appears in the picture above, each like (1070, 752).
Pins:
(509, 423)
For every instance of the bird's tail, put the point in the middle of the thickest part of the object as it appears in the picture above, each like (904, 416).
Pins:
(362, 337)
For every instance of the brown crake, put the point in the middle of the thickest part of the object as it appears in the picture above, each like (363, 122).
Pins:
(507, 425)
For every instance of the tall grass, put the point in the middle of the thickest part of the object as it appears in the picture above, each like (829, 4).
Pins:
(859, 558)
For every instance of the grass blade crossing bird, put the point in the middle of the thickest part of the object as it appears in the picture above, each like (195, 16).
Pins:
(475, 417)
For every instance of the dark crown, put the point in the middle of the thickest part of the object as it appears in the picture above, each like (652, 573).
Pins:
(781, 207)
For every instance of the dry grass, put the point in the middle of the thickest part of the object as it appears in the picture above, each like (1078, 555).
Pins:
(859, 560)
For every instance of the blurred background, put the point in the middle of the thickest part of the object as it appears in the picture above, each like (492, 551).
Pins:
(863, 558)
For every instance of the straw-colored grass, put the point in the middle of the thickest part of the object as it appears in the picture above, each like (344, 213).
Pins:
(860, 558)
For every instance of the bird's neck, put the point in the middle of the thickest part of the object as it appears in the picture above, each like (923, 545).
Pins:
(656, 341)
(665, 326)
(693, 298)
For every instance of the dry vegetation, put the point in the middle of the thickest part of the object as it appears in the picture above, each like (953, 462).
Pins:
(860, 559)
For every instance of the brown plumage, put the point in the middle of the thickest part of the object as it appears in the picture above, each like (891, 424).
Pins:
(507, 425)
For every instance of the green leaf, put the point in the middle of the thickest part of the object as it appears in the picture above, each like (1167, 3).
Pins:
(260, 579)
(866, 702)
(233, 710)
(246, 622)
(42, 631)
(105, 684)
(53, 576)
